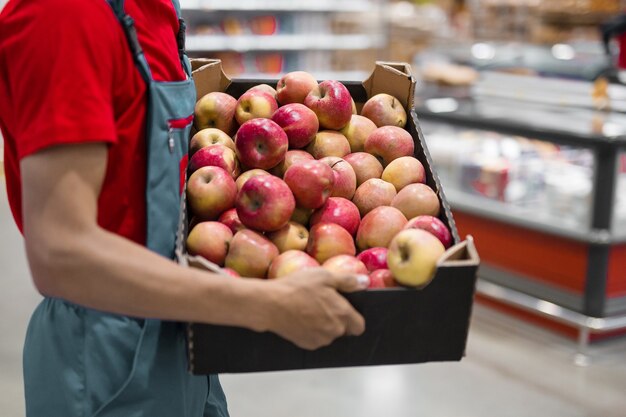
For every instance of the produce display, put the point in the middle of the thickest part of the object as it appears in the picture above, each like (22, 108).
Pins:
(285, 179)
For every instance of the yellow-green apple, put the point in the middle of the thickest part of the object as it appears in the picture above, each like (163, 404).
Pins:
(250, 254)
(404, 171)
(433, 225)
(292, 236)
(255, 104)
(267, 88)
(210, 136)
(344, 265)
(294, 86)
(328, 143)
(230, 219)
(217, 156)
(265, 203)
(373, 193)
(291, 157)
(210, 192)
(245, 176)
(356, 131)
(378, 227)
(216, 110)
(354, 111)
(365, 166)
(415, 200)
(413, 256)
(388, 143)
(382, 278)
(332, 103)
(261, 143)
(290, 262)
(339, 211)
(230, 272)
(374, 258)
(311, 183)
(210, 240)
(299, 123)
(384, 110)
(327, 240)
(345, 178)
(302, 215)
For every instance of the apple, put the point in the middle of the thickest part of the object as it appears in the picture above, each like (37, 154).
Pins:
(345, 178)
(292, 236)
(327, 240)
(432, 225)
(302, 215)
(365, 166)
(373, 193)
(413, 256)
(210, 192)
(217, 156)
(339, 211)
(265, 87)
(388, 143)
(374, 258)
(261, 143)
(415, 200)
(210, 240)
(299, 123)
(265, 203)
(290, 262)
(354, 111)
(404, 171)
(245, 176)
(344, 265)
(230, 272)
(384, 110)
(216, 110)
(379, 227)
(294, 86)
(311, 183)
(328, 143)
(332, 103)
(250, 254)
(356, 131)
(255, 104)
(230, 219)
(207, 137)
(291, 157)
(382, 278)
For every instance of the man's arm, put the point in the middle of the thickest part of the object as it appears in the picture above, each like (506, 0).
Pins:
(72, 258)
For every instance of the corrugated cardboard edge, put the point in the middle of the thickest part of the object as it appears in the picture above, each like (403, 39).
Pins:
(461, 254)
(395, 78)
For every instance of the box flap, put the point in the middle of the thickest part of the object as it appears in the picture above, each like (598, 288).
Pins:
(208, 76)
(461, 254)
(395, 78)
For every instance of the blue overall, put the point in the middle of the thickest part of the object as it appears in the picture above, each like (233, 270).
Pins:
(84, 363)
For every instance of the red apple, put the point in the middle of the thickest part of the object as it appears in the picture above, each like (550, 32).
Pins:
(267, 88)
(255, 104)
(230, 219)
(378, 227)
(210, 192)
(388, 143)
(365, 166)
(291, 157)
(210, 240)
(413, 256)
(432, 225)
(261, 143)
(327, 240)
(356, 131)
(217, 156)
(245, 176)
(311, 183)
(292, 236)
(382, 278)
(294, 86)
(290, 262)
(374, 258)
(345, 178)
(299, 123)
(384, 110)
(332, 103)
(404, 171)
(377, 281)
(208, 137)
(328, 143)
(265, 203)
(415, 200)
(250, 254)
(339, 211)
(373, 193)
(216, 110)
(301, 216)
(345, 265)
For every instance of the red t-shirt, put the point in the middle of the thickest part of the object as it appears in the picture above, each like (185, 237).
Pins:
(67, 76)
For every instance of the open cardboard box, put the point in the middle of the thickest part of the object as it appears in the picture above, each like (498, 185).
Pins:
(403, 325)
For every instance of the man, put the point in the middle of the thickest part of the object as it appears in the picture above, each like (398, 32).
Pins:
(88, 91)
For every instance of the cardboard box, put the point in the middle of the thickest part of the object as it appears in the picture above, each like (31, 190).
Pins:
(403, 325)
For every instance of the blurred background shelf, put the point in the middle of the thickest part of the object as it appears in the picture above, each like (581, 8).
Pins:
(323, 6)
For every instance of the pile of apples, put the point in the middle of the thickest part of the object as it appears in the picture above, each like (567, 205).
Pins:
(307, 182)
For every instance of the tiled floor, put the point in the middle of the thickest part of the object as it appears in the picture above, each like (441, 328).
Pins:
(511, 370)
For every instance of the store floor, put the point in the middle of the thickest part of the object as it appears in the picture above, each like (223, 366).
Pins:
(511, 370)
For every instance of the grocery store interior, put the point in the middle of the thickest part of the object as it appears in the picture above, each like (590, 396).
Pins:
(522, 106)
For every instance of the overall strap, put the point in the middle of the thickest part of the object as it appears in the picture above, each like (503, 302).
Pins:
(180, 38)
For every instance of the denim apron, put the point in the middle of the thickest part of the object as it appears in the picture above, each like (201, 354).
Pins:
(79, 362)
